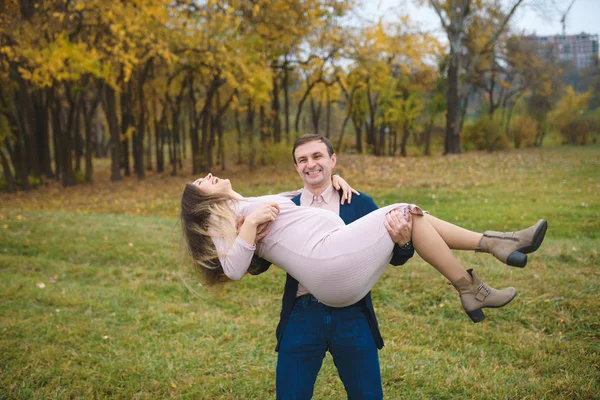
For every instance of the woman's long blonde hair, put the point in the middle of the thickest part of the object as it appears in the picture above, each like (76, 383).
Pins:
(203, 216)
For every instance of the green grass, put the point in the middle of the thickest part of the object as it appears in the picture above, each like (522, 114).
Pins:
(118, 316)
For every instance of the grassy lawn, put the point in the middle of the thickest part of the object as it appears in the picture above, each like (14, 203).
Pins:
(96, 301)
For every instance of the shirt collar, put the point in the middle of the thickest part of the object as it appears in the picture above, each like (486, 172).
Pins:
(329, 195)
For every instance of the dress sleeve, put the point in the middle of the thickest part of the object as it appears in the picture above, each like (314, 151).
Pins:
(235, 258)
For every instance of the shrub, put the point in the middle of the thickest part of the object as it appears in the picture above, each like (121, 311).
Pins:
(523, 131)
(485, 134)
(573, 119)
(276, 153)
(582, 129)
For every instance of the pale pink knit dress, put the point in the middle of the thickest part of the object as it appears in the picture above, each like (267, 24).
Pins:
(336, 263)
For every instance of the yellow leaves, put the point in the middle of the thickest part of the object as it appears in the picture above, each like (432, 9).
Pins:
(59, 16)
(128, 133)
(505, 84)
(569, 107)
(8, 51)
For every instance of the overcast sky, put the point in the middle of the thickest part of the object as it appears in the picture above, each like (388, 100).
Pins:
(541, 17)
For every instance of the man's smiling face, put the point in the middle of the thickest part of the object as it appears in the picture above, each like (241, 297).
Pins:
(314, 165)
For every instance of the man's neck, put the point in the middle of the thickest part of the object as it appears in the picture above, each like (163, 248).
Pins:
(318, 190)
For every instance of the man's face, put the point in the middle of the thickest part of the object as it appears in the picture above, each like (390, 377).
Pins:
(314, 165)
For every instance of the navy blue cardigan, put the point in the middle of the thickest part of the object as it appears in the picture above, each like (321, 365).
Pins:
(360, 206)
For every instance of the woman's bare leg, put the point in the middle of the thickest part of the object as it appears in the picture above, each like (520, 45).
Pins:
(509, 247)
(456, 238)
(433, 248)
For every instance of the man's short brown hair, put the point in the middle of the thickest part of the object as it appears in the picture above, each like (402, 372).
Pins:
(312, 138)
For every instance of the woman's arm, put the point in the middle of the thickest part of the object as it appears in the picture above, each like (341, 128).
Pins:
(236, 259)
(338, 183)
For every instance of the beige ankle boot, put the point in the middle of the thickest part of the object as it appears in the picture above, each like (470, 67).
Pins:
(511, 247)
(476, 295)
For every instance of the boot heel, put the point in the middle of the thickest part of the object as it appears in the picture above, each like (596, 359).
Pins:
(517, 259)
(476, 315)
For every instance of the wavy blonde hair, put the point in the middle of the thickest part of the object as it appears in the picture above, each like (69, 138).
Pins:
(202, 217)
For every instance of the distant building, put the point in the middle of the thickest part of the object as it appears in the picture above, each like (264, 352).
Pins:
(581, 49)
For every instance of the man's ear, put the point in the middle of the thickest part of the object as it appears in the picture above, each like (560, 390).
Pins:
(333, 160)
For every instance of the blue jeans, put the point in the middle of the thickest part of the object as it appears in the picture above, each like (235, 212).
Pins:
(313, 329)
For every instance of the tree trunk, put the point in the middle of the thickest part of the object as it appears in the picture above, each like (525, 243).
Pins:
(238, 128)
(127, 122)
(301, 104)
(206, 144)
(115, 133)
(275, 108)
(328, 115)
(371, 125)
(64, 135)
(264, 134)
(20, 153)
(358, 130)
(78, 143)
(403, 142)
(250, 134)
(452, 140)
(29, 135)
(286, 100)
(148, 145)
(427, 133)
(194, 129)
(11, 186)
(87, 122)
(99, 141)
(342, 131)
(315, 114)
(140, 132)
(174, 141)
(44, 140)
(381, 149)
(464, 105)
(15, 126)
(158, 137)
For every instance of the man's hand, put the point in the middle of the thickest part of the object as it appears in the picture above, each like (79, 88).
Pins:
(340, 183)
(261, 230)
(399, 226)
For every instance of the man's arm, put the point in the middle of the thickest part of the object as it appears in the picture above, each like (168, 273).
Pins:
(400, 231)
(258, 265)
(399, 227)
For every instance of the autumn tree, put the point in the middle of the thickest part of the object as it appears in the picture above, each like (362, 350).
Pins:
(456, 17)
(390, 70)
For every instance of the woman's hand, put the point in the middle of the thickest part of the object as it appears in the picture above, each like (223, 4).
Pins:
(263, 214)
(255, 223)
(340, 183)
(262, 230)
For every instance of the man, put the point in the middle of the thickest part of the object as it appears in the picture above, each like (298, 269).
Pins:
(308, 328)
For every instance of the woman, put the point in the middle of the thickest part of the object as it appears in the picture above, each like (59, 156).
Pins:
(337, 263)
